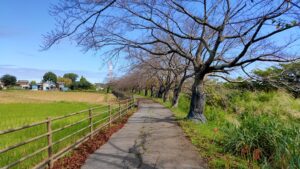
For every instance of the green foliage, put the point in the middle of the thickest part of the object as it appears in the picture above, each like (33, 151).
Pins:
(184, 101)
(50, 76)
(265, 121)
(285, 76)
(71, 76)
(120, 95)
(83, 84)
(266, 139)
(240, 101)
(8, 80)
(33, 82)
(207, 138)
(67, 82)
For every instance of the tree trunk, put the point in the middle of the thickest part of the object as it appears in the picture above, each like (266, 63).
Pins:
(146, 92)
(197, 101)
(166, 94)
(152, 91)
(176, 93)
(160, 92)
(107, 89)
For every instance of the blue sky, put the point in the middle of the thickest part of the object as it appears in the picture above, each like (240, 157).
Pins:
(22, 24)
(21, 28)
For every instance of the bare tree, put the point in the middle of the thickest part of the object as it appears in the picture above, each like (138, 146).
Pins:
(216, 36)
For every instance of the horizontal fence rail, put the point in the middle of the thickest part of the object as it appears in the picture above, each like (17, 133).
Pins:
(95, 122)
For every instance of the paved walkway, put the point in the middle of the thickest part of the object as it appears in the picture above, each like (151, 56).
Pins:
(150, 139)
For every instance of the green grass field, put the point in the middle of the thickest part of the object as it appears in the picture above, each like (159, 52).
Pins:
(18, 114)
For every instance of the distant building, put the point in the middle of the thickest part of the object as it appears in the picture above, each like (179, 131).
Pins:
(61, 86)
(23, 84)
(48, 85)
(34, 87)
(1, 85)
(40, 86)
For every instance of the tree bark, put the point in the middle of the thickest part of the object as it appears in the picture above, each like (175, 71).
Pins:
(152, 91)
(146, 92)
(160, 92)
(166, 94)
(176, 93)
(197, 101)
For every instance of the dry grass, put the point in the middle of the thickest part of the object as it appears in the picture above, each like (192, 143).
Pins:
(53, 96)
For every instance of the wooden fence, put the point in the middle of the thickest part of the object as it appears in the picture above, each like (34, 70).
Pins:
(114, 112)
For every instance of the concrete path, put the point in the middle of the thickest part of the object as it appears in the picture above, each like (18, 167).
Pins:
(150, 139)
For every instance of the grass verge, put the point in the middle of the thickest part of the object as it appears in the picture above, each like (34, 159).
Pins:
(205, 137)
(245, 129)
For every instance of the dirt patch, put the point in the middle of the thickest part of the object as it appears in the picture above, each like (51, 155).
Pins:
(78, 156)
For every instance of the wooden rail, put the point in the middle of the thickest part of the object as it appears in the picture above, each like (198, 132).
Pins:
(115, 111)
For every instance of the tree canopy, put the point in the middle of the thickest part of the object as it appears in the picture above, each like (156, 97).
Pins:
(67, 82)
(82, 84)
(8, 80)
(50, 76)
(210, 37)
(71, 76)
(33, 82)
(285, 76)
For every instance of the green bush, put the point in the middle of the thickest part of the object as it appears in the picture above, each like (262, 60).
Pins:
(184, 102)
(266, 139)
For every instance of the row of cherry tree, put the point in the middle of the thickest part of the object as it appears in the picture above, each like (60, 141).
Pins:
(175, 40)
(157, 77)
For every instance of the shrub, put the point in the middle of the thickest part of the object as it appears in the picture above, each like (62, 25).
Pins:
(266, 139)
(120, 95)
(184, 102)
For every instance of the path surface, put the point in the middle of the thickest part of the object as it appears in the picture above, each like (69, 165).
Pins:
(150, 139)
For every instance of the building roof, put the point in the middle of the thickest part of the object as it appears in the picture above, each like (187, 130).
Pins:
(49, 83)
(23, 82)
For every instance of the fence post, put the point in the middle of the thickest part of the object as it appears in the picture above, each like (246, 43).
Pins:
(110, 119)
(126, 106)
(50, 153)
(131, 102)
(119, 109)
(91, 123)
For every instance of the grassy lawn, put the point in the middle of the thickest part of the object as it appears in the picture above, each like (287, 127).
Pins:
(19, 114)
(19, 108)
